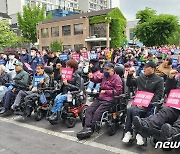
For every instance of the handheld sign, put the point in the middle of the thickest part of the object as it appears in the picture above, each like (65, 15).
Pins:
(67, 73)
(84, 54)
(173, 99)
(63, 57)
(142, 98)
(37, 79)
(164, 50)
(28, 66)
(75, 56)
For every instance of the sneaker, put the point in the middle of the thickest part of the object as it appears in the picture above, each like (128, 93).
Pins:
(13, 107)
(127, 137)
(2, 110)
(139, 139)
(95, 91)
(88, 90)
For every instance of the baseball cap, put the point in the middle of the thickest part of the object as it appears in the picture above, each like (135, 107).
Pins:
(18, 63)
(150, 64)
(108, 66)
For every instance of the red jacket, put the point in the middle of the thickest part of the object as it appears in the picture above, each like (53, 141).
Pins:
(112, 86)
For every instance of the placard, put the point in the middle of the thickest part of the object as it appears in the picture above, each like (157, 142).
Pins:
(75, 56)
(173, 99)
(142, 98)
(67, 73)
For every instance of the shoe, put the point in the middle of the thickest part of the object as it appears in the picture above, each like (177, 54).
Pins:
(127, 137)
(14, 107)
(88, 90)
(95, 91)
(86, 132)
(2, 110)
(167, 131)
(53, 117)
(139, 139)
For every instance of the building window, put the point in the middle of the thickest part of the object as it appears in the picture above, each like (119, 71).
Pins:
(54, 31)
(44, 33)
(78, 29)
(77, 47)
(98, 30)
(66, 47)
(131, 34)
(66, 30)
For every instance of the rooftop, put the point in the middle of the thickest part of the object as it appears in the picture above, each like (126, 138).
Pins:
(4, 15)
(77, 16)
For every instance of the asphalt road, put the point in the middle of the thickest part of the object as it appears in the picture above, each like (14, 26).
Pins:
(26, 136)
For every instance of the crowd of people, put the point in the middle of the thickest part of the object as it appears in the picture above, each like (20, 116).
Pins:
(155, 70)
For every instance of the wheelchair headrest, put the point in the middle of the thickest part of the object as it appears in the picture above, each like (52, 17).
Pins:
(119, 70)
(48, 69)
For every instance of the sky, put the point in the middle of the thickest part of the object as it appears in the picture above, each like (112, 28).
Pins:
(130, 7)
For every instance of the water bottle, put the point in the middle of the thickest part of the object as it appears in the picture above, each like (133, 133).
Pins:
(69, 97)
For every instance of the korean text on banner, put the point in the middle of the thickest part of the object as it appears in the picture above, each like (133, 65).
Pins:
(173, 99)
(67, 73)
(142, 98)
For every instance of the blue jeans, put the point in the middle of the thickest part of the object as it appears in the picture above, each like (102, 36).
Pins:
(58, 102)
(91, 85)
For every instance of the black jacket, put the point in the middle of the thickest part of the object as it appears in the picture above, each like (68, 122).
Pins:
(172, 84)
(151, 83)
(74, 84)
(4, 78)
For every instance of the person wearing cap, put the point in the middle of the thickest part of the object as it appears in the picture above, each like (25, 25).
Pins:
(10, 68)
(167, 120)
(148, 82)
(24, 56)
(40, 80)
(151, 57)
(20, 82)
(111, 85)
(35, 60)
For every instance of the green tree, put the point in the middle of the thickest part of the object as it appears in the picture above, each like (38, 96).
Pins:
(56, 45)
(155, 30)
(29, 19)
(7, 37)
(145, 15)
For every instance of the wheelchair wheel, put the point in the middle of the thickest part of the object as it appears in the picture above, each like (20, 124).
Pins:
(112, 129)
(53, 122)
(70, 121)
(82, 113)
(38, 115)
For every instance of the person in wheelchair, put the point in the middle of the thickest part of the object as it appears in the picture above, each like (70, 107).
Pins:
(4, 79)
(167, 119)
(72, 85)
(20, 82)
(40, 80)
(111, 85)
(148, 82)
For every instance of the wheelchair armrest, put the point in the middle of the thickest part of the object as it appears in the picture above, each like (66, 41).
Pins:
(121, 96)
(75, 92)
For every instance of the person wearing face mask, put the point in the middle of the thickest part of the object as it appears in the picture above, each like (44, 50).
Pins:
(25, 57)
(111, 85)
(10, 68)
(35, 60)
(2, 59)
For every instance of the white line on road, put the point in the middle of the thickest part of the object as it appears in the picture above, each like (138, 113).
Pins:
(68, 137)
(68, 131)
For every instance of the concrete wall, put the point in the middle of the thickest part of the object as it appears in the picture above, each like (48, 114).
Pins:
(3, 6)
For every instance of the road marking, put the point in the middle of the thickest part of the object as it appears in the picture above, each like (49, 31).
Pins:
(68, 131)
(68, 137)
